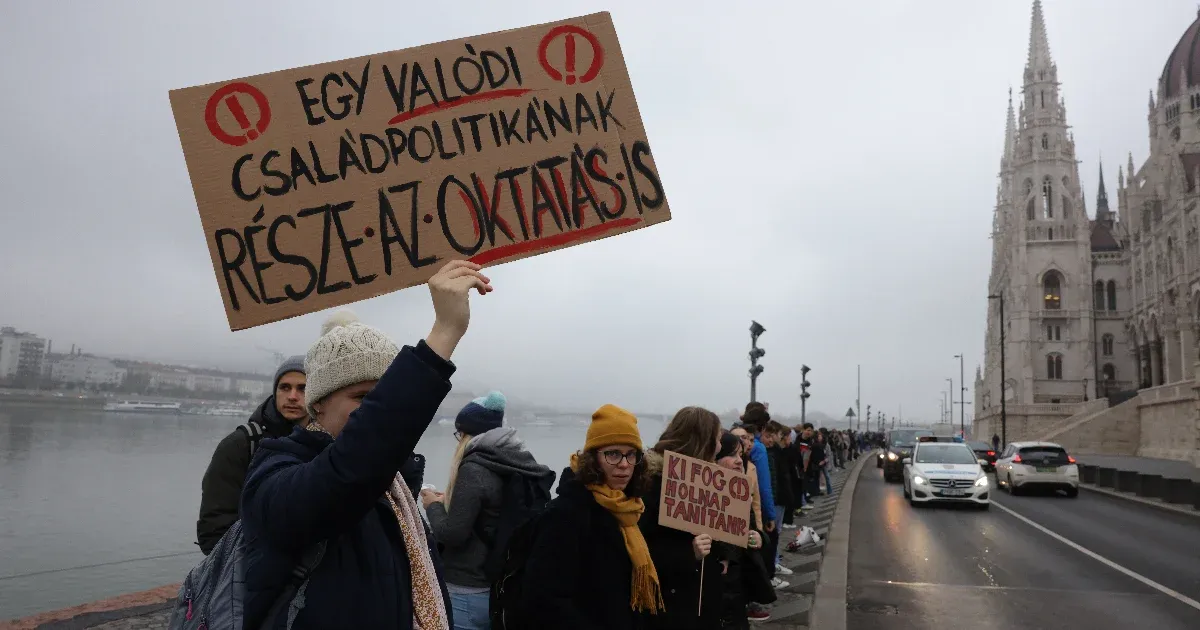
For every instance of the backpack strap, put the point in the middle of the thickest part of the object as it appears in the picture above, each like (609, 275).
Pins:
(296, 582)
(254, 432)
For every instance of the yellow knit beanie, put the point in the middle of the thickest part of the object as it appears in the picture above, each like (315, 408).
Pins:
(612, 425)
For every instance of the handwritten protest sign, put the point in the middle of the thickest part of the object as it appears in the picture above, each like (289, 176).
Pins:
(702, 498)
(328, 184)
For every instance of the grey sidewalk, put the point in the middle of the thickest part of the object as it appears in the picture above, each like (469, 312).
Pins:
(1146, 465)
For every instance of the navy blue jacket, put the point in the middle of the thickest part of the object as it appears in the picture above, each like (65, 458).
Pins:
(307, 487)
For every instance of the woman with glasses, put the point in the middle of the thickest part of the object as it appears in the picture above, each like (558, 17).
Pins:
(590, 567)
(680, 556)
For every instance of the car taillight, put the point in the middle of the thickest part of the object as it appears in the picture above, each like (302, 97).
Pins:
(991, 453)
(1070, 460)
(1016, 459)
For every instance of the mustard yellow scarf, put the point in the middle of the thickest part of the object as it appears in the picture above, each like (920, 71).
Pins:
(646, 595)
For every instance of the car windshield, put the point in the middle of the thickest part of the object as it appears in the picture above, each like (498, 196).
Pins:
(908, 437)
(980, 446)
(945, 453)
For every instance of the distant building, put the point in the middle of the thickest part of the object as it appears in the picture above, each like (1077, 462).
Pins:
(21, 354)
(86, 370)
(252, 386)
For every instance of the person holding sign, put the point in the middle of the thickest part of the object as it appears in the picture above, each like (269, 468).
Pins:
(590, 568)
(691, 585)
(338, 483)
(745, 577)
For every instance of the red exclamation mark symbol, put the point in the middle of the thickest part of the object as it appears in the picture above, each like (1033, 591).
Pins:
(239, 115)
(570, 59)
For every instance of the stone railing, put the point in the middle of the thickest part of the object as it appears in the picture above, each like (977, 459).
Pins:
(1173, 392)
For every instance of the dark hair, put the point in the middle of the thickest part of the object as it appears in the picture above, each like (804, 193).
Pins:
(756, 417)
(730, 444)
(778, 429)
(591, 474)
(694, 432)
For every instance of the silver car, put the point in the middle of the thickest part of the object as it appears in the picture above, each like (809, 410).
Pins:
(1026, 465)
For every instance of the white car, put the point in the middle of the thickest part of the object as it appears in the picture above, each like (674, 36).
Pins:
(1025, 465)
(946, 472)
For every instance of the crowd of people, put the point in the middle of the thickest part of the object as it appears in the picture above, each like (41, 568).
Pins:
(325, 488)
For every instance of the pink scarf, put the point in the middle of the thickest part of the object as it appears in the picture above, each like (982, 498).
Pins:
(429, 609)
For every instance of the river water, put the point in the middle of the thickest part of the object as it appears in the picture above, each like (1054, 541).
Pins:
(96, 504)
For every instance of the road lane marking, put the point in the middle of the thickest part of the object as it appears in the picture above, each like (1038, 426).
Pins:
(993, 587)
(1099, 558)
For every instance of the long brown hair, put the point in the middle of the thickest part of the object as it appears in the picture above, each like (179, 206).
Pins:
(693, 432)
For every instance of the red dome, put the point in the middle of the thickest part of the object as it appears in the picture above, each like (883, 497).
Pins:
(1184, 58)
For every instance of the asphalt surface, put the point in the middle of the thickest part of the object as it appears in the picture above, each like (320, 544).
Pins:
(954, 567)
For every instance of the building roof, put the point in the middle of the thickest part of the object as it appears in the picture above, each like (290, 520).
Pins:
(1103, 239)
(1184, 61)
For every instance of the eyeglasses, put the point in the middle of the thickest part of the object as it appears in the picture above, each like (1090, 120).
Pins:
(458, 435)
(614, 457)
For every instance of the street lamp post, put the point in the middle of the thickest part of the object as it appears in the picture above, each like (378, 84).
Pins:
(962, 403)
(1003, 379)
(950, 415)
(756, 353)
(804, 370)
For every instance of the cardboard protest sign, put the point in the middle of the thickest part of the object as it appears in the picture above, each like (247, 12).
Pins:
(332, 183)
(703, 498)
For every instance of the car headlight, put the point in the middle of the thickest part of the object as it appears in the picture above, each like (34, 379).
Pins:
(892, 456)
(918, 480)
(981, 482)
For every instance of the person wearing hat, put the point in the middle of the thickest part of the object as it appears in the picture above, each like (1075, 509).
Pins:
(221, 487)
(338, 485)
(483, 465)
(590, 567)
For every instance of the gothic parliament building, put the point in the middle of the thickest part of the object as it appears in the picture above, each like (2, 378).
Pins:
(1094, 306)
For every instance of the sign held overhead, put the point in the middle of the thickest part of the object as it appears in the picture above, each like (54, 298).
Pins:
(327, 184)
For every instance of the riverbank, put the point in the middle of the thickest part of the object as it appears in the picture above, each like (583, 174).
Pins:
(145, 610)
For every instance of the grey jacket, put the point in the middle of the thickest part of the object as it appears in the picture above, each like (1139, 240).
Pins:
(476, 500)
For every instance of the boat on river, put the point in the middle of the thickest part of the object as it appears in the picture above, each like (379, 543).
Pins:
(143, 406)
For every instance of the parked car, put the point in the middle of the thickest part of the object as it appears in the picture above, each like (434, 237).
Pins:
(1026, 465)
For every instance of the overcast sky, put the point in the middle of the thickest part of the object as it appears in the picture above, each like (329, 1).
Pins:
(831, 169)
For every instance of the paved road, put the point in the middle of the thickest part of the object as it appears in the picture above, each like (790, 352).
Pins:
(950, 567)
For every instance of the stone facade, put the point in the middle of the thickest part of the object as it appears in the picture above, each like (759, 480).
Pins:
(1094, 307)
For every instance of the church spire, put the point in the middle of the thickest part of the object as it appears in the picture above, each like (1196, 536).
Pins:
(1039, 44)
(1102, 211)
(1010, 131)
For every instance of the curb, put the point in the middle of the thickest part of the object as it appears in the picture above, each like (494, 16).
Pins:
(1157, 504)
(829, 603)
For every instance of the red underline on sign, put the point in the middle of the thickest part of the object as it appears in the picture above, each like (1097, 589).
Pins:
(566, 238)
(442, 105)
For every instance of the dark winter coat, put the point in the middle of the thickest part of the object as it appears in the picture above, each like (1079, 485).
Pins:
(308, 487)
(578, 575)
(746, 580)
(781, 476)
(678, 569)
(221, 488)
(467, 529)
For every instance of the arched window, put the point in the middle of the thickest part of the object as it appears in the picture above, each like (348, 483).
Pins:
(1045, 141)
(1029, 209)
(1108, 372)
(1048, 198)
(1106, 345)
(1066, 206)
(1054, 366)
(1099, 295)
(1028, 186)
(1112, 295)
(1052, 290)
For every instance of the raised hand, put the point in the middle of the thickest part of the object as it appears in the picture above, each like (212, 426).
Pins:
(450, 288)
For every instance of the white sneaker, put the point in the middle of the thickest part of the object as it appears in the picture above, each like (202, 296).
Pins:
(778, 583)
(782, 570)
(789, 526)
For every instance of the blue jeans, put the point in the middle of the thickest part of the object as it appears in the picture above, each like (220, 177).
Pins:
(471, 611)
(828, 482)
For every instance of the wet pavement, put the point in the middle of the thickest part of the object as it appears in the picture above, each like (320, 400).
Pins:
(957, 567)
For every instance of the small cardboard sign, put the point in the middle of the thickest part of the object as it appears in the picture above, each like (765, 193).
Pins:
(703, 498)
(327, 184)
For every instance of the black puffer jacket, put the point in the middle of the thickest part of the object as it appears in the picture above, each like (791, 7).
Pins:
(221, 488)
(578, 575)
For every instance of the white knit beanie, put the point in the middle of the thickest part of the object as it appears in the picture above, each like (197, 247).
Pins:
(348, 352)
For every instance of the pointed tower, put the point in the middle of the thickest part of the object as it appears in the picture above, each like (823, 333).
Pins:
(1042, 264)
(1103, 214)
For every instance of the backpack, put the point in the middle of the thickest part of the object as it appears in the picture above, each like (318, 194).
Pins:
(255, 432)
(525, 499)
(212, 597)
